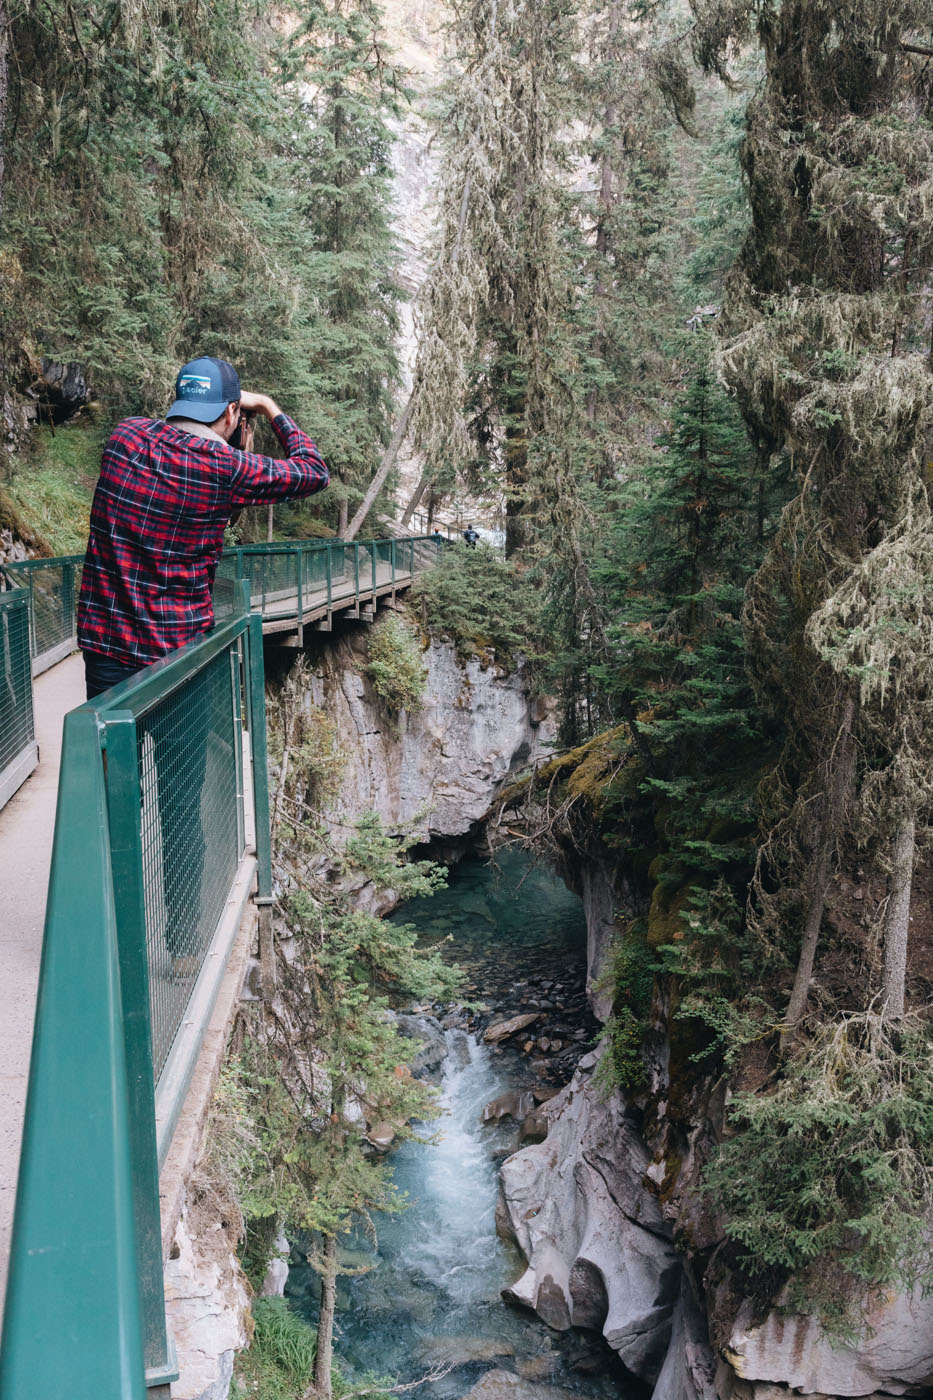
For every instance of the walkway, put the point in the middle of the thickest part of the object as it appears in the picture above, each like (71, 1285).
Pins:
(26, 829)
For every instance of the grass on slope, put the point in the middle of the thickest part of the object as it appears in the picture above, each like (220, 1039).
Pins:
(52, 485)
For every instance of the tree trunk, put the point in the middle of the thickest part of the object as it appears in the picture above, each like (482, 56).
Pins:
(385, 466)
(269, 523)
(840, 780)
(342, 519)
(325, 1326)
(415, 501)
(4, 84)
(897, 919)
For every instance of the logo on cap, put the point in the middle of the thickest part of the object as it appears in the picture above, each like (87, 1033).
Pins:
(193, 385)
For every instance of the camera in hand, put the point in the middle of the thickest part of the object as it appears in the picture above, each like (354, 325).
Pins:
(238, 436)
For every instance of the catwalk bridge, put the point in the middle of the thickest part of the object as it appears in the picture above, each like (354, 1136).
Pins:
(159, 884)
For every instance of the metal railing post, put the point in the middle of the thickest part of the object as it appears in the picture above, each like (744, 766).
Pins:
(300, 568)
(73, 1302)
(356, 570)
(392, 549)
(260, 760)
(123, 806)
(373, 557)
(329, 578)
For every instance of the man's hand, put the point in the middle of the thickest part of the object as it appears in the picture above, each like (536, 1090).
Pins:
(259, 403)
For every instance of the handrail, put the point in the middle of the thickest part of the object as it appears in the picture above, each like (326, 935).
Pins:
(19, 753)
(149, 843)
(85, 1284)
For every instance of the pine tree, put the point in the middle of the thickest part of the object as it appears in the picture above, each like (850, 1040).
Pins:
(825, 342)
(685, 543)
(341, 168)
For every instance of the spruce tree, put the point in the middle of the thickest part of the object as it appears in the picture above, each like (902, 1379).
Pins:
(826, 344)
(340, 163)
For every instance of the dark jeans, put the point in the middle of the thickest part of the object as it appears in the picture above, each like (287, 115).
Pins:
(179, 752)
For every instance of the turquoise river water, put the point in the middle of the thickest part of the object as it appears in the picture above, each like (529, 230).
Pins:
(431, 1299)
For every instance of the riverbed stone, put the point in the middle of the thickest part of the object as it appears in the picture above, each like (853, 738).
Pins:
(503, 1030)
(506, 1385)
(599, 1253)
(515, 1104)
(434, 1049)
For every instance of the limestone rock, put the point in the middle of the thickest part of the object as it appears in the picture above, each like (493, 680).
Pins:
(689, 1370)
(438, 775)
(273, 1285)
(893, 1353)
(206, 1304)
(505, 1385)
(599, 1253)
(501, 1030)
(434, 1049)
(516, 1104)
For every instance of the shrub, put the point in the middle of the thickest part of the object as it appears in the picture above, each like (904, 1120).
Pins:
(280, 1358)
(481, 601)
(394, 665)
(828, 1180)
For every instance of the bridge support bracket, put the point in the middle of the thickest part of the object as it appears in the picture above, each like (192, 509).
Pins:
(159, 1378)
(368, 614)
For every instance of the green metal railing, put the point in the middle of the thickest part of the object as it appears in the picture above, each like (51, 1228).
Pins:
(52, 588)
(149, 842)
(288, 581)
(149, 859)
(18, 752)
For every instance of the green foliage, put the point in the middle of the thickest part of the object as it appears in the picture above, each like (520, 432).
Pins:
(173, 188)
(630, 979)
(685, 540)
(280, 1357)
(53, 488)
(482, 601)
(829, 1177)
(394, 663)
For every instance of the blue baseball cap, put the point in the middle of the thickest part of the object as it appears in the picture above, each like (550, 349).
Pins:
(203, 389)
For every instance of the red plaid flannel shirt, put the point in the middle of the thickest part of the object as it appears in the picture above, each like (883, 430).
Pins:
(157, 527)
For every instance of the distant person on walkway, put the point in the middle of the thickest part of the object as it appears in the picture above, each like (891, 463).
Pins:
(165, 494)
(470, 536)
(438, 538)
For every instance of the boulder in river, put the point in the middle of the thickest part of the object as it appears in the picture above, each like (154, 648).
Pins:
(501, 1030)
(382, 1136)
(505, 1385)
(434, 1049)
(516, 1104)
(599, 1252)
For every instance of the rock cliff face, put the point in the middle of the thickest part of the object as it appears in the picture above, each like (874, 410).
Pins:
(435, 772)
(599, 1252)
(600, 1255)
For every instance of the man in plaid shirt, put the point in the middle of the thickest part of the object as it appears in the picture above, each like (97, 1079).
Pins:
(165, 494)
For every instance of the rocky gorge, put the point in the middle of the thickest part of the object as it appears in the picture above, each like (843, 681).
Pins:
(611, 1246)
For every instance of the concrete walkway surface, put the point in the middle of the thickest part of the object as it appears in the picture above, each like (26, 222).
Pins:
(26, 828)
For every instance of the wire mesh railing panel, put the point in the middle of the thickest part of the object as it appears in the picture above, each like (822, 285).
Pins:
(425, 555)
(16, 715)
(365, 574)
(53, 586)
(341, 566)
(273, 580)
(382, 554)
(314, 563)
(192, 819)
